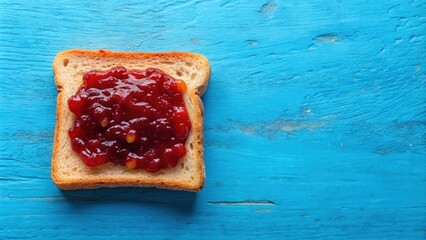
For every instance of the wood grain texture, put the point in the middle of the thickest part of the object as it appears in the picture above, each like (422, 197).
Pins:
(315, 120)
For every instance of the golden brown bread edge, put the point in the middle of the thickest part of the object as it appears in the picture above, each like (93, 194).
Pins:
(87, 183)
(107, 53)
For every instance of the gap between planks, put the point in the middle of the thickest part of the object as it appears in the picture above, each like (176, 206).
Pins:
(244, 203)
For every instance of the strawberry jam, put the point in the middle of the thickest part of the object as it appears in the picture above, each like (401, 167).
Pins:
(134, 118)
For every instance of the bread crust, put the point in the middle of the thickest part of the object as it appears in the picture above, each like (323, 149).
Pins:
(139, 178)
(200, 90)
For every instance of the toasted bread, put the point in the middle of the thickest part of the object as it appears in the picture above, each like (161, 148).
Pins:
(68, 170)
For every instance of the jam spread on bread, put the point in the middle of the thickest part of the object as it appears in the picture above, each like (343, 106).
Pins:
(130, 117)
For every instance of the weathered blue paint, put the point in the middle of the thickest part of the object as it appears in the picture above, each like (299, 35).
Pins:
(314, 126)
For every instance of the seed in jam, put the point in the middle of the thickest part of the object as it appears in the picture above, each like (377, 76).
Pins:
(131, 136)
(133, 118)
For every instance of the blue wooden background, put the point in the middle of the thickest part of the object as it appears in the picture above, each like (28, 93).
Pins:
(315, 123)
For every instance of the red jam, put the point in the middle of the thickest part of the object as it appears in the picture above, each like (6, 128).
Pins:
(134, 118)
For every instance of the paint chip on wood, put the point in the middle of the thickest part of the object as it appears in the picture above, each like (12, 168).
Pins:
(291, 126)
(269, 8)
(398, 41)
(328, 38)
(252, 42)
(263, 210)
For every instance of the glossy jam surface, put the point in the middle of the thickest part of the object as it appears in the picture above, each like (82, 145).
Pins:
(134, 118)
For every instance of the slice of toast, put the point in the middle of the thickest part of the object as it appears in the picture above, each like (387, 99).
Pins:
(68, 170)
